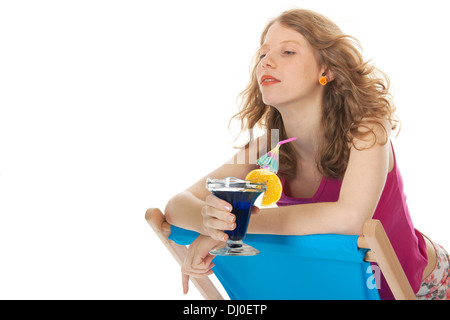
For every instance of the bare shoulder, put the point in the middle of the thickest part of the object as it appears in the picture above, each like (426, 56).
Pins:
(374, 135)
(370, 133)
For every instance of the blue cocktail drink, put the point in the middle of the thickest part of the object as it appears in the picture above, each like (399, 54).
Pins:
(242, 203)
(241, 195)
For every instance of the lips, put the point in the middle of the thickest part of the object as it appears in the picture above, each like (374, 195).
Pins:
(267, 80)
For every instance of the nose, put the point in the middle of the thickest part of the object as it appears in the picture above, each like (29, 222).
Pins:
(267, 62)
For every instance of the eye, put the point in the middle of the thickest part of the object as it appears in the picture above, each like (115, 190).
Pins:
(261, 56)
(289, 53)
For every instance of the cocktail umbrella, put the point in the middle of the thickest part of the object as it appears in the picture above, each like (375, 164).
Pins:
(270, 160)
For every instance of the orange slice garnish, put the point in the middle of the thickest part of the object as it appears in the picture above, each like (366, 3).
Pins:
(273, 183)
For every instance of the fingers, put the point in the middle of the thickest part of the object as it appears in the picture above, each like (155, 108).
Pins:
(198, 261)
(185, 282)
(215, 227)
(218, 208)
(216, 232)
(218, 235)
(199, 273)
(203, 270)
(208, 261)
(196, 273)
(217, 217)
(199, 270)
(218, 203)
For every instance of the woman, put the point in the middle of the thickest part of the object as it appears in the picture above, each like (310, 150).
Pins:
(310, 81)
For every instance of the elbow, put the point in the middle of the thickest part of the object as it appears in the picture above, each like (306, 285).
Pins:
(168, 210)
(354, 220)
(356, 227)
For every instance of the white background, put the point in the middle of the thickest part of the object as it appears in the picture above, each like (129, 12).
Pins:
(111, 107)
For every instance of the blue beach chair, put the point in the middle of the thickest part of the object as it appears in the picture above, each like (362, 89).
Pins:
(313, 267)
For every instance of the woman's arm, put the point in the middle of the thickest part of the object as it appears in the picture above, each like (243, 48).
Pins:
(185, 209)
(361, 189)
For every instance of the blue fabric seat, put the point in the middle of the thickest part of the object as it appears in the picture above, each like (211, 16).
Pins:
(319, 267)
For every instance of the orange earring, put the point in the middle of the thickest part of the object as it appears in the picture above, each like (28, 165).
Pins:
(323, 81)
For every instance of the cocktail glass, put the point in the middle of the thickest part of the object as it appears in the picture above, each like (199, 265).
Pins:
(241, 195)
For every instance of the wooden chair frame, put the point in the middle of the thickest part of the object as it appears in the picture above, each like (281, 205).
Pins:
(374, 238)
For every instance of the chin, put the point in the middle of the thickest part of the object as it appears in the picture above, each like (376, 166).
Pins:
(275, 104)
(271, 102)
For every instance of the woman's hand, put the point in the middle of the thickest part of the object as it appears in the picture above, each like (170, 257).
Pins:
(217, 217)
(198, 262)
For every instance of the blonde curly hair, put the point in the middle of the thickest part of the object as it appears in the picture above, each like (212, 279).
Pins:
(357, 98)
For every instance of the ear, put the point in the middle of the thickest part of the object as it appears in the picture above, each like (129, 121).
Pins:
(326, 72)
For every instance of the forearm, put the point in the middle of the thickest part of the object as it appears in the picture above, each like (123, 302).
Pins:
(184, 211)
(304, 219)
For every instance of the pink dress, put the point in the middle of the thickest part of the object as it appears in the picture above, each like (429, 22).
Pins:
(392, 211)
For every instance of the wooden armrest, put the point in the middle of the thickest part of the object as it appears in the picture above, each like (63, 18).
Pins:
(157, 221)
(387, 260)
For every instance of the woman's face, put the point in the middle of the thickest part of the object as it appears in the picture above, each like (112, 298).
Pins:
(289, 71)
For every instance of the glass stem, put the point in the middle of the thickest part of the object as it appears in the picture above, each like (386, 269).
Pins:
(234, 244)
